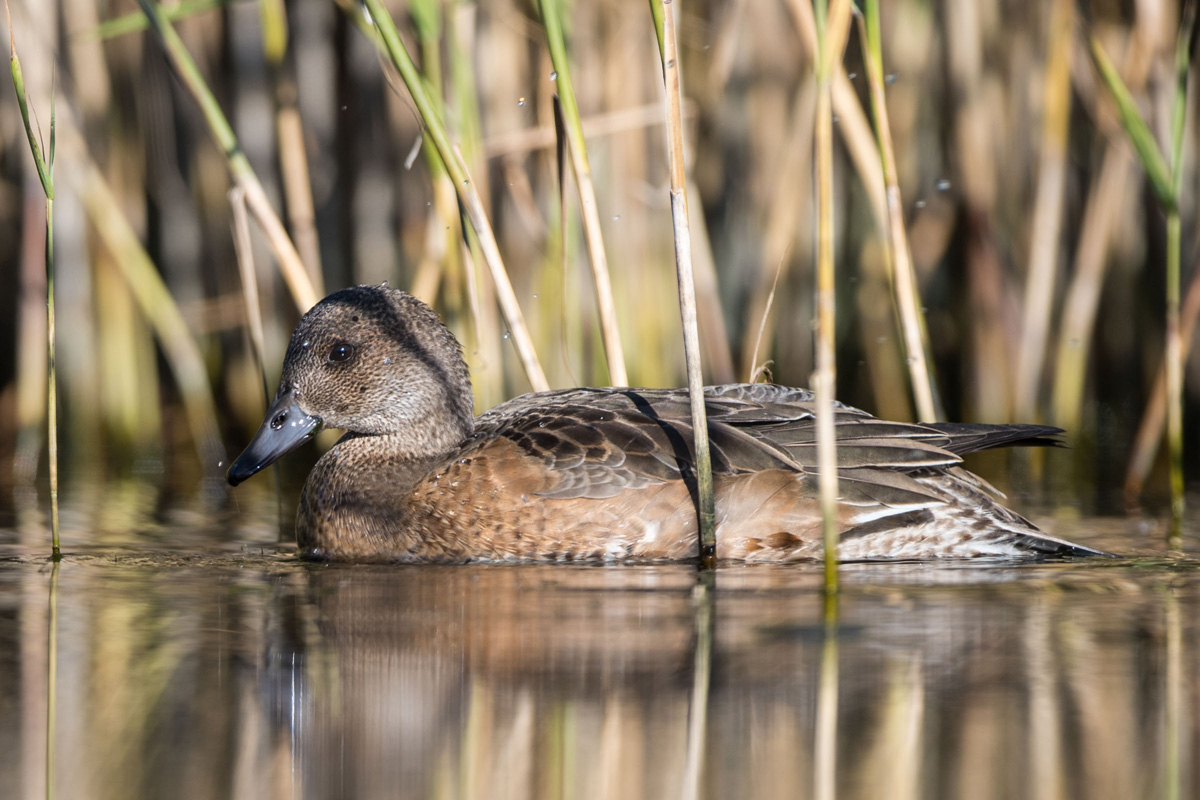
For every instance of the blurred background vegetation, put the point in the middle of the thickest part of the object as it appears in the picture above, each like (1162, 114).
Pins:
(1031, 225)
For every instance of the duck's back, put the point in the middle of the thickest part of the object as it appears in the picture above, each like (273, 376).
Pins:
(608, 473)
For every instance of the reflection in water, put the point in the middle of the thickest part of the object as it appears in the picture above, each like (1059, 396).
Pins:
(192, 665)
(253, 676)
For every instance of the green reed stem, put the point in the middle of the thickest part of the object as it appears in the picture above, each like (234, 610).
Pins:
(465, 187)
(1168, 185)
(1174, 354)
(136, 21)
(45, 170)
(687, 289)
(904, 281)
(551, 11)
(1174, 359)
(1135, 127)
(52, 385)
(294, 273)
(831, 39)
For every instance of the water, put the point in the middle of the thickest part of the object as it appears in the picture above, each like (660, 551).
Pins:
(195, 658)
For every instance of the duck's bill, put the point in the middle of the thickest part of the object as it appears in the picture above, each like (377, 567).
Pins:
(286, 427)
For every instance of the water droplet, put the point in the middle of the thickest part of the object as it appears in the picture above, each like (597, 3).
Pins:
(852, 75)
(943, 184)
(220, 463)
(343, 108)
(387, 359)
(836, 119)
(465, 182)
(889, 79)
(616, 217)
(384, 284)
(428, 204)
(506, 334)
(535, 295)
(554, 75)
(919, 204)
(305, 345)
(521, 101)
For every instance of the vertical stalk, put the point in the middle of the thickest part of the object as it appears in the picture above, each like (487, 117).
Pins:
(45, 170)
(614, 353)
(1150, 429)
(1174, 358)
(1174, 354)
(687, 287)
(831, 38)
(1047, 211)
(295, 274)
(904, 282)
(467, 192)
(1167, 182)
(52, 387)
(289, 137)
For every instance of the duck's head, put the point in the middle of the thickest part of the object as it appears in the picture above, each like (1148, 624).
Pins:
(374, 361)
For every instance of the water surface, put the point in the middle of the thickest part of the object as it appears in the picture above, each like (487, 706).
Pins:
(195, 658)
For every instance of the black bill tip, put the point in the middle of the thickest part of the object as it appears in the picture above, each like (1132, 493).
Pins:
(286, 427)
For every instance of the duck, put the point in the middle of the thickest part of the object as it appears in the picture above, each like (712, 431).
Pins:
(601, 474)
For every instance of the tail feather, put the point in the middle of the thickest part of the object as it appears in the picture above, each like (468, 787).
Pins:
(970, 437)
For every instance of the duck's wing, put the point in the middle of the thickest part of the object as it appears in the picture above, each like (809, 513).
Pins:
(597, 443)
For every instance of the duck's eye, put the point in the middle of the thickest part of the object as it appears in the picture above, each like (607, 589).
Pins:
(341, 353)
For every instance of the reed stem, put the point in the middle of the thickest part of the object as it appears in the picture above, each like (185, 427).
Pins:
(467, 191)
(45, 170)
(904, 279)
(1174, 355)
(1044, 245)
(136, 20)
(831, 38)
(295, 274)
(1174, 360)
(609, 331)
(52, 385)
(1167, 182)
(687, 287)
(1150, 429)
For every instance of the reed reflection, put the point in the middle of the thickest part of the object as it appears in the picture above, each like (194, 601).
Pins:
(584, 682)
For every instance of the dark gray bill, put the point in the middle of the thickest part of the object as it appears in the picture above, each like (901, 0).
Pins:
(285, 428)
